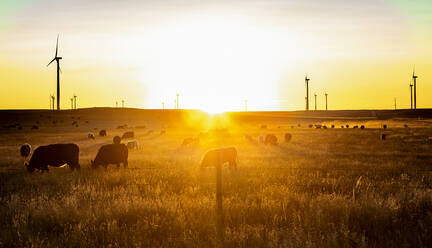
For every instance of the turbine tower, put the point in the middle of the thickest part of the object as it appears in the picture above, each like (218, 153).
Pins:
(163, 105)
(415, 89)
(72, 100)
(122, 103)
(53, 100)
(57, 59)
(315, 101)
(326, 100)
(411, 92)
(307, 92)
(75, 97)
(246, 105)
(177, 101)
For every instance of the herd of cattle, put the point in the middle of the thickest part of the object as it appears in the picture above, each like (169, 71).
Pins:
(117, 153)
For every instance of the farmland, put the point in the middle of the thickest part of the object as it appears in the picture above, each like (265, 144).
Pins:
(326, 187)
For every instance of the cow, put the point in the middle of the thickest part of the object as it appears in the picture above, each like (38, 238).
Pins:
(270, 139)
(190, 142)
(132, 144)
(220, 156)
(90, 136)
(102, 133)
(111, 154)
(54, 155)
(128, 135)
(288, 137)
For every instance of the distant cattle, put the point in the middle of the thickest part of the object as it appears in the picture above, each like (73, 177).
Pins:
(355, 126)
(141, 127)
(270, 139)
(102, 133)
(190, 142)
(324, 126)
(120, 127)
(332, 126)
(347, 126)
(362, 127)
(149, 132)
(25, 150)
(220, 156)
(116, 140)
(249, 138)
(74, 123)
(54, 155)
(310, 125)
(128, 135)
(132, 144)
(406, 126)
(90, 136)
(288, 137)
(318, 126)
(384, 126)
(261, 138)
(111, 154)
(342, 126)
(383, 136)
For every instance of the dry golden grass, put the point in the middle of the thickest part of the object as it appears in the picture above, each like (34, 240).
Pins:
(326, 188)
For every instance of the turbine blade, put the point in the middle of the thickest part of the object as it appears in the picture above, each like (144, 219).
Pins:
(57, 46)
(51, 62)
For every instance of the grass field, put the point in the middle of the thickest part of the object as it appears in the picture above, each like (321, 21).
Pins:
(325, 188)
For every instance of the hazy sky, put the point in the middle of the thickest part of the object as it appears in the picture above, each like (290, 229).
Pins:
(216, 54)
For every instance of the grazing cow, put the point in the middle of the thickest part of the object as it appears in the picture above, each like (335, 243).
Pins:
(128, 135)
(384, 126)
(288, 137)
(220, 156)
(111, 154)
(347, 126)
(120, 127)
(362, 127)
(116, 140)
(249, 138)
(90, 136)
(318, 126)
(383, 136)
(190, 142)
(25, 150)
(270, 139)
(132, 144)
(54, 155)
(406, 126)
(310, 125)
(102, 133)
(355, 126)
(261, 138)
(342, 126)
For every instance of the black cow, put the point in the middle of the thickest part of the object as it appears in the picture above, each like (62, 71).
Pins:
(111, 154)
(54, 155)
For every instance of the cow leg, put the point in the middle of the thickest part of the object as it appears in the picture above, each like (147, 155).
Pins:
(125, 164)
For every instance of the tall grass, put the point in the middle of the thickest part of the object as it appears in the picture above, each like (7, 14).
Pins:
(327, 188)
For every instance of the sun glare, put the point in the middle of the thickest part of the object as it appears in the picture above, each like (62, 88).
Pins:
(216, 63)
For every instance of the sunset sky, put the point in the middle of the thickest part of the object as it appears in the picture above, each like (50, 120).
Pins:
(216, 54)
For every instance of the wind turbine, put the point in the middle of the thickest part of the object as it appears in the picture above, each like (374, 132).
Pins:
(411, 91)
(315, 102)
(307, 92)
(72, 100)
(75, 97)
(326, 100)
(57, 59)
(415, 89)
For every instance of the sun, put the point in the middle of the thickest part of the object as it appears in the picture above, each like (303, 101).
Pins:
(215, 63)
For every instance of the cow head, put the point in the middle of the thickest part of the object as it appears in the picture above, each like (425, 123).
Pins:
(29, 167)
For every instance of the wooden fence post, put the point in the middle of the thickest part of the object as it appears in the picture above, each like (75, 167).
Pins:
(219, 210)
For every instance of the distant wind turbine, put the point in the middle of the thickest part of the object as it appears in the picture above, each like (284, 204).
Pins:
(315, 101)
(326, 100)
(72, 101)
(75, 102)
(415, 89)
(307, 92)
(57, 59)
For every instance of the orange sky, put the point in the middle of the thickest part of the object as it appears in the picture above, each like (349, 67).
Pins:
(216, 54)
